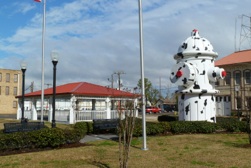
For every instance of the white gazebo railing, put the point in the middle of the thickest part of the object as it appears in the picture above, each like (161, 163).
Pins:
(68, 110)
(81, 115)
(89, 115)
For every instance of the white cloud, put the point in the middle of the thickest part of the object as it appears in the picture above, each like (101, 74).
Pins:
(97, 38)
(23, 7)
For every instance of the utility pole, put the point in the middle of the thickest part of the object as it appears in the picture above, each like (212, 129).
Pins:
(119, 73)
(159, 87)
(111, 80)
(32, 86)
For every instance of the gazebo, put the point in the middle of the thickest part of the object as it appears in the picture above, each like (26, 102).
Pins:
(79, 101)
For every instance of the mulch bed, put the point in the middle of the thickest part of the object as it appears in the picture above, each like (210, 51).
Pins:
(21, 151)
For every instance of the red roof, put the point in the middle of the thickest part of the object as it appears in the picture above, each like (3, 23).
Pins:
(83, 89)
(235, 58)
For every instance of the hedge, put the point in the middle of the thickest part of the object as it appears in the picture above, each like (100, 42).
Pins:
(54, 137)
(192, 127)
(177, 127)
(232, 124)
(46, 137)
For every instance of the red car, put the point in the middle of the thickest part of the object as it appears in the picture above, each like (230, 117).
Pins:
(152, 109)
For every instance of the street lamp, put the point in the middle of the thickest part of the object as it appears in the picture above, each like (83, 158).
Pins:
(54, 58)
(23, 68)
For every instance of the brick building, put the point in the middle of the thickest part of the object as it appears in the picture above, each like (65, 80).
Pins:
(235, 89)
(10, 86)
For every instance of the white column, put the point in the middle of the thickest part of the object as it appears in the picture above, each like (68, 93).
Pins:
(33, 110)
(72, 110)
(108, 108)
(135, 107)
(50, 110)
(19, 109)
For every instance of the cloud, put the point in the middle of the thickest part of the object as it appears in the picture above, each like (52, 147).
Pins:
(23, 7)
(97, 38)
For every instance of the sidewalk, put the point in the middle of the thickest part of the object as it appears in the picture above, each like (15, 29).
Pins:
(94, 137)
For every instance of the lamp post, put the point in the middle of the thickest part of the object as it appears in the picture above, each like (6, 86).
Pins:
(54, 58)
(23, 68)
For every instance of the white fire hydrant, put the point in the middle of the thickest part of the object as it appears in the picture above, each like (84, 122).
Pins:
(195, 75)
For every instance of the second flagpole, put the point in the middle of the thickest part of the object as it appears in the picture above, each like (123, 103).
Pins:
(42, 80)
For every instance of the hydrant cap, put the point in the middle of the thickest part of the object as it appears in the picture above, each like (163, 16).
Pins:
(196, 45)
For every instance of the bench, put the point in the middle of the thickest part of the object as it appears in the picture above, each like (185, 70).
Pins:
(105, 125)
(22, 127)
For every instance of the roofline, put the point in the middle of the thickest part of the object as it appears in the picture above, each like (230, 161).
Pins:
(132, 95)
(74, 91)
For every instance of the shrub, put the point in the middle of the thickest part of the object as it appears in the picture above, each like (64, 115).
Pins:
(151, 128)
(192, 127)
(167, 118)
(51, 137)
(46, 137)
(232, 124)
(84, 127)
(137, 128)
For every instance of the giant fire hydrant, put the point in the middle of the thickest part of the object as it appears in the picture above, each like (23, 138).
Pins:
(195, 75)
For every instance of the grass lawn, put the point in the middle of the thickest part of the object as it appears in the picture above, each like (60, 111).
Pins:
(191, 150)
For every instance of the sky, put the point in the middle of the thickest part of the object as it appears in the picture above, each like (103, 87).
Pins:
(97, 38)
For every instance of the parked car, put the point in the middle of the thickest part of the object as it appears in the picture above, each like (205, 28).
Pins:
(170, 108)
(152, 109)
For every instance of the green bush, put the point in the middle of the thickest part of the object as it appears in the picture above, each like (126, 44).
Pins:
(151, 128)
(48, 137)
(178, 127)
(43, 138)
(231, 124)
(137, 132)
(84, 127)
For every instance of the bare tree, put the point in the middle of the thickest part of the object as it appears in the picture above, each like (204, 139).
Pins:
(126, 127)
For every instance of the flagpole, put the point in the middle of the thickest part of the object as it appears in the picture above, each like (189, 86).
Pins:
(142, 77)
(42, 80)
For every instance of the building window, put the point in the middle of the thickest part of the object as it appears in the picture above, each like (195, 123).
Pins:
(14, 104)
(7, 90)
(0, 90)
(0, 77)
(15, 91)
(247, 76)
(15, 78)
(237, 76)
(228, 78)
(7, 77)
